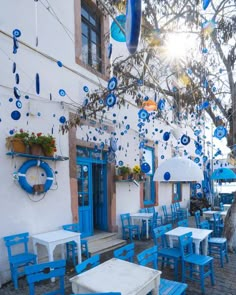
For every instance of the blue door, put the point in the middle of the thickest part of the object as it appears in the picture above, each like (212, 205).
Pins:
(92, 190)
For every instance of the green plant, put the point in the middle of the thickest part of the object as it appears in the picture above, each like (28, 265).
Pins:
(47, 142)
(136, 169)
(23, 135)
(124, 170)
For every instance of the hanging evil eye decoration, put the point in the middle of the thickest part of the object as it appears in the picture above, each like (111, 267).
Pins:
(220, 132)
(110, 100)
(85, 168)
(120, 163)
(198, 186)
(167, 176)
(143, 114)
(15, 115)
(205, 4)
(59, 63)
(86, 89)
(109, 50)
(10, 99)
(17, 78)
(116, 32)
(18, 104)
(113, 144)
(166, 136)
(112, 83)
(196, 160)
(62, 92)
(15, 45)
(111, 157)
(145, 167)
(62, 119)
(16, 33)
(13, 67)
(37, 83)
(161, 104)
(16, 92)
(185, 139)
(85, 102)
(204, 158)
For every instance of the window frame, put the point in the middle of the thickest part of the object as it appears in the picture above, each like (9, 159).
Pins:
(177, 190)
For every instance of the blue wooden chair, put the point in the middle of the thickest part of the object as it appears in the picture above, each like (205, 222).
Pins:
(221, 206)
(88, 264)
(194, 265)
(182, 213)
(108, 293)
(174, 212)
(170, 256)
(167, 287)
(167, 216)
(20, 260)
(218, 225)
(158, 220)
(71, 247)
(217, 247)
(183, 222)
(129, 230)
(44, 271)
(197, 215)
(125, 253)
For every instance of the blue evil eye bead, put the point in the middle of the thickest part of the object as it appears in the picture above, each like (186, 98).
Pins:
(185, 139)
(166, 136)
(10, 99)
(101, 101)
(143, 114)
(85, 102)
(113, 144)
(198, 186)
(197, 160)
(17, 78)
(145, 167)
(16, 92)
(15, 45)
(204, 158)
(110, 100)
(167, 176)
(62, 119)
(11, 132)
(59, 63)
(16, 33)
(86, 89)
(37, 83)
(120, 163)
(162, 157)
(205, 4)
(111, 157)
(102, 145)
(109, 50)
(26, 96)
(112, 83)
(220, 132)
(161, 104)
(13, 67)
(62, 92)
(116, 33)
(18, 104)
(15, 115)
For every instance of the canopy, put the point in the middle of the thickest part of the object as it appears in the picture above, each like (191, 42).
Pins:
(178, 169)
(223, 174)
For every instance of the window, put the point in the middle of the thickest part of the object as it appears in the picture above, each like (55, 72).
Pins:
(177, 192)
(149, 190)
(90, 41)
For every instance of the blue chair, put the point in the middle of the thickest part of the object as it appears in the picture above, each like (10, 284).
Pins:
(143, 210)
(170, 256)
(88, 264)
(197, 215)
(217, 247)
(194, 265)
(71, 247)
(125, 253)
(158, 220)
(129, 230)
(173, 212)
(221, 206)
(167, 217)
(182, 213)
(183, 222)
(44, 271)
(109, 293)
(18, 261)
(167, 287)
(218, 225)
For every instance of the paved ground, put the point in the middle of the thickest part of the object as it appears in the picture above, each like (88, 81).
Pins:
(225, 278)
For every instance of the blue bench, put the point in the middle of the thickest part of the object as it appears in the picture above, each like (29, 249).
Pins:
(168, 287)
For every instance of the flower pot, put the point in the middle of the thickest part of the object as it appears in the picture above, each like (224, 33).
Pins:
(49, 153)
(36, 149)
(119, 177)
(17, 145)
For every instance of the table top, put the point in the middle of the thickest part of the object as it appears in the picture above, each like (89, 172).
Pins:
(56, 235)
(141, 215)
(197, 233)
(116, 275)
(223, 213)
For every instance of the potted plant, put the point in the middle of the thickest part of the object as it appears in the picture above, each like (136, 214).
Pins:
(124, 171)
(136, 172)
(18, 142)
(42, 144)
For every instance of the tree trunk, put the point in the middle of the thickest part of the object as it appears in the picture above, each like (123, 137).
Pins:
(230, 226)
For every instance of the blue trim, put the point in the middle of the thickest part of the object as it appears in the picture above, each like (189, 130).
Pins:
(152, 199)
(34, 163)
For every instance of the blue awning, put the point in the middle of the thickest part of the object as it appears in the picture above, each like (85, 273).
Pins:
(223, 174)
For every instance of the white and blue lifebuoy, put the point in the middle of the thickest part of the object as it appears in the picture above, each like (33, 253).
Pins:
(34, 163)
(133, 24)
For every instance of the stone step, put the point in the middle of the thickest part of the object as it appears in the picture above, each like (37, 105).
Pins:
(99, 247)
(101, 236)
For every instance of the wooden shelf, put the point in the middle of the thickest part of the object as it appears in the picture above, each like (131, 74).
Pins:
(55, 158)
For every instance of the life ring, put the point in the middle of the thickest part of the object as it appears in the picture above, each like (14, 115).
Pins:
(32, 163)
(133, 24)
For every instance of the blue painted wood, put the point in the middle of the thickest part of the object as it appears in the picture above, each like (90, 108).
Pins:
(168, 287)
(19, 260)
(56, 158)
(183, 222)
(148, 256)
(129, 230)
(45, 271)
(168, 217)
(88, 264)
(125, 253)
(109, 293)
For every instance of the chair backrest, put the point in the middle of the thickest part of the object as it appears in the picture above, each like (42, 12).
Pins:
(183, 222)
(173, 209)
(221, 206)
(71, 227)
(143, 210)
(109, 293)
(125, 219)
(186, 244)
(13, 240)
(148, 256)
(44, 271)
(197, 216)
(159, 237)
(88, 264)
(151, 210)
(205, 224)
(125, 253)
(164, 209)
(177, 205)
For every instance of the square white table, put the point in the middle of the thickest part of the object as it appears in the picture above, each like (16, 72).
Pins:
(116, 275)
(226, 206)
(58, 237)
(142, 216)
(209, 214)
(199, 235)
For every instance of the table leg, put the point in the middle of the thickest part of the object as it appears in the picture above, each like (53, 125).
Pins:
(197, 247)
(77, 240)
(63, 251)
(205, 246)
(50, 257)
(147, 228)
(35, 250)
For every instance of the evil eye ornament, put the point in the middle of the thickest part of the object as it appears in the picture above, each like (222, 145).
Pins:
(62, 92)
(86, 89)
(15, 115)
(198, 186)
(143, 114)
(116, 33)
(167, 176)
(110, 100)
(166, 136)
(17, 78)
(185, 140)
(161, 104)
(111, 157)
(13, 67)
(16, 33)
(85, 102)
(62, 119)
(145, 167)
(15, 45)
(18, 104)
(113, 144)
(196, 160)
(204, 158)
(16, 92)
(109, 51)
(112, 83)
(205, 4)
(37, 83)
(59, 63)
(220, 132)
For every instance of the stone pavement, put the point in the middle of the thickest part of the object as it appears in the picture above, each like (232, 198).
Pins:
(225, 278)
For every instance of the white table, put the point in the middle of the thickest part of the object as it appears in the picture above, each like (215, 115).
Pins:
(199, 235)
(226, 206)
(58, 237)
(142, 216)
(209, 214)
(116, 275)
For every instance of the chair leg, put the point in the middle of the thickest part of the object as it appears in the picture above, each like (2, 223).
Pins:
(202, 279)
(212, 274)
(14, 275)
